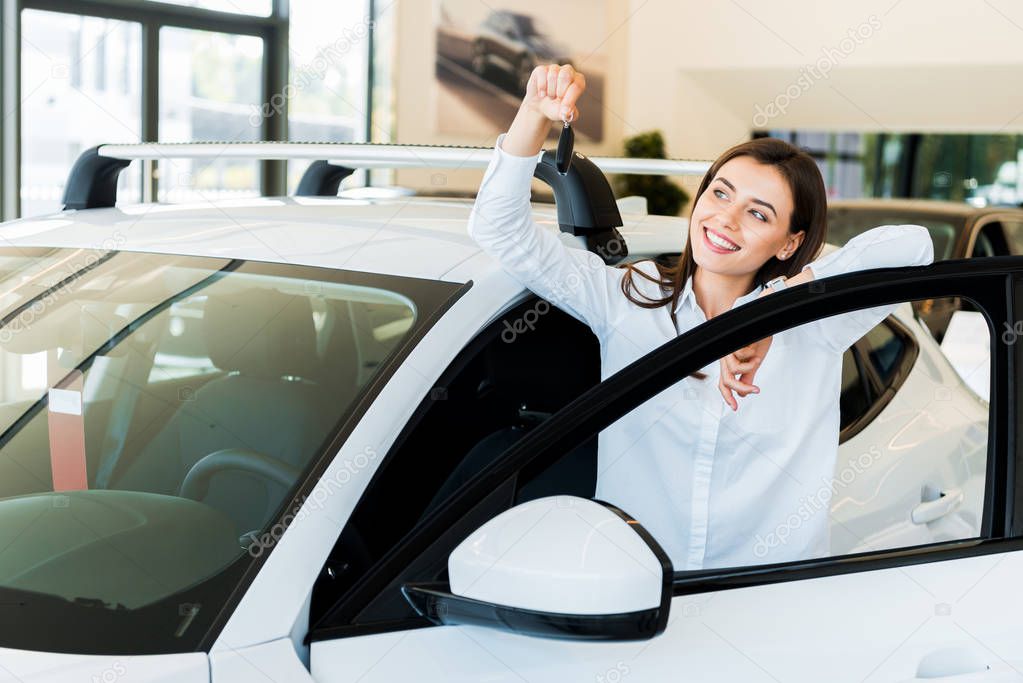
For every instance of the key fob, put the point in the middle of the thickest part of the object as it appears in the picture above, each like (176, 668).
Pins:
(566, 146)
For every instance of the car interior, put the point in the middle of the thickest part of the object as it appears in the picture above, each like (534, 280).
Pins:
(273, 395)
(247, 369)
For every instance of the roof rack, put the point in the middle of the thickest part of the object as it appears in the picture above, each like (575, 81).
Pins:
(585, 202)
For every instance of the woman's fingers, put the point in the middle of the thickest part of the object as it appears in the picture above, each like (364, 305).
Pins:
(552, 81)
(571, 96)
(566, 74)
(739, 387)
(745, 353)
(537, 86)
(554, 91)
(729, 385)
(747, 367)
(726, 393)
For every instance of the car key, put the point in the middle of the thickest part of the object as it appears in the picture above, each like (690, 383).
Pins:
(566, 145)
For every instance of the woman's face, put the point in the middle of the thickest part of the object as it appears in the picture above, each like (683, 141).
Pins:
(746, 208)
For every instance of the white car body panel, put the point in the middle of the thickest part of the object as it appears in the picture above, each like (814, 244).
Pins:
(276, 661)
(967, 345)
(22, 666)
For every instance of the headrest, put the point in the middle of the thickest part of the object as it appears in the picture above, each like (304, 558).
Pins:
(261, 333)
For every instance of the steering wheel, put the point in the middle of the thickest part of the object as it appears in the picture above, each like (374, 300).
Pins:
(196, 483)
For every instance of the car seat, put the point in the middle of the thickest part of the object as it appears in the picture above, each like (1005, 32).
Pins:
(272, 400)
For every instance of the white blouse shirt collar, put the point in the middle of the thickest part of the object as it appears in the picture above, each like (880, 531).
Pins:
(688, 297)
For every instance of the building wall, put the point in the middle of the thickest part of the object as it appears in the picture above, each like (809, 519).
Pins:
(708, 73)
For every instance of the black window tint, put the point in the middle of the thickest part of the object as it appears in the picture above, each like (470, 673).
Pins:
(855, 399)
(990, 241)
(884, 349)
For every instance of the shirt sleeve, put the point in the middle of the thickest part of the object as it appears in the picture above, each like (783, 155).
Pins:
(886, 246)
(501, 222)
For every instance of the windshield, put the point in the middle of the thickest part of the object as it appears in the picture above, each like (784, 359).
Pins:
(156, 414)
(845, 223)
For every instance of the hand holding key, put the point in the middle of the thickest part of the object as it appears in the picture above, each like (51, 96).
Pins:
(551, 95)
(554, 90)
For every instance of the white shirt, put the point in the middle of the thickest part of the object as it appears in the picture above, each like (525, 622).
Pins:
(715, 487)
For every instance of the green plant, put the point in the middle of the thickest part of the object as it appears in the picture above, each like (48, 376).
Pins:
(663, 197)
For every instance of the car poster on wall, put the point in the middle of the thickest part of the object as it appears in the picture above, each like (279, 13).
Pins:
(485, 53)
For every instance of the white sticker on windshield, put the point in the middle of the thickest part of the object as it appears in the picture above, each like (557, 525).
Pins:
(65, 401)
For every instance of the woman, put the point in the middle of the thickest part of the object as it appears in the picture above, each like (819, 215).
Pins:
(716, 487)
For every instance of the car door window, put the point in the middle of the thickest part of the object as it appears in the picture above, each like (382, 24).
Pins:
(916, 476)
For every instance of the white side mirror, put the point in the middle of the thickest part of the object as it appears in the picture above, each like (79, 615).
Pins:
(561, 567)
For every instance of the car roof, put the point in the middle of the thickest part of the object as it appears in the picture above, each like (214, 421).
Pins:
(415, 236)
(930, 206)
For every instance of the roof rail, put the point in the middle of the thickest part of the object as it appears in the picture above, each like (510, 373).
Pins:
(585, 202)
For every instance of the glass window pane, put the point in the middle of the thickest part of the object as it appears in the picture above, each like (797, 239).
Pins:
(81, 86)
(885, 351)
(257, 7)
(327, 77)
(844, 223)
(210, 85)
(854, 401)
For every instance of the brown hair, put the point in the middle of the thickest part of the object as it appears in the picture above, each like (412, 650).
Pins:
(809, 213)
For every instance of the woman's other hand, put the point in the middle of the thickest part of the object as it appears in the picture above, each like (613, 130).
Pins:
(744, 362)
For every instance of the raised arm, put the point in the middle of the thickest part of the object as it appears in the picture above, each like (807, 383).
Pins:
(882, 247)
(501, 220)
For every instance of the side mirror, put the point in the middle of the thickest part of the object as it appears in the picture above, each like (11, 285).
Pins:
(556, 567)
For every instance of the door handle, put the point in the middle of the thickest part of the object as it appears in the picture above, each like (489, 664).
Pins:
(930, 510)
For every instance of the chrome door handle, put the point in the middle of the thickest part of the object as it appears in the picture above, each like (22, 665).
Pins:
(939, 507)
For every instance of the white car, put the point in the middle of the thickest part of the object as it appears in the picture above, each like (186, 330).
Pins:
(327, 439)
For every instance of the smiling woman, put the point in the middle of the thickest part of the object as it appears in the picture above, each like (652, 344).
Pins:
(758, 224)
(760, 213)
